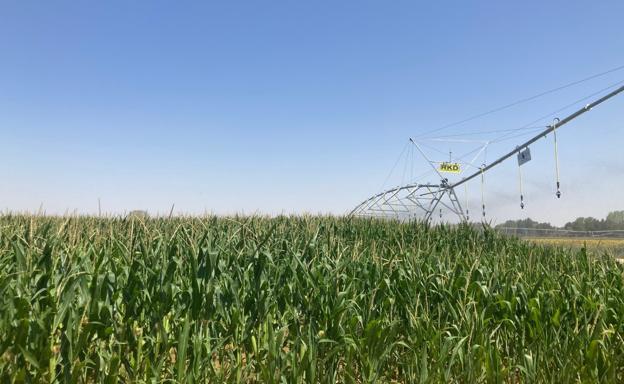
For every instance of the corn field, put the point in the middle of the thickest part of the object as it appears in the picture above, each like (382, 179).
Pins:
(300, 300)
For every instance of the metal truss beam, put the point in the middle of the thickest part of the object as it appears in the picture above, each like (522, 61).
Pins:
(413, 201)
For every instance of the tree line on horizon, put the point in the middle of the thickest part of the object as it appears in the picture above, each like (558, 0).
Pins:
(613, 221)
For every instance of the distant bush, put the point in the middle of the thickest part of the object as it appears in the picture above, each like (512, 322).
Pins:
(526, 223)
(614, 221)
(138, 214)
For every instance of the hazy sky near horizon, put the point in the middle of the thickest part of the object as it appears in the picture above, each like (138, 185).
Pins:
(292, 107)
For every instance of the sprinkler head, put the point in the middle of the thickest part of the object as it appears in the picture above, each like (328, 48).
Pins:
(558, 194)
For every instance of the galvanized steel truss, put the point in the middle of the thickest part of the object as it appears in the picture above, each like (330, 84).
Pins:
(419, 201)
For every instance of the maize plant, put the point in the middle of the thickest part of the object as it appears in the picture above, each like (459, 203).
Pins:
(300, 300)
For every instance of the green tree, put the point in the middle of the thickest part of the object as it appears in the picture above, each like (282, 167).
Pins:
(525, 223)
(615, 220)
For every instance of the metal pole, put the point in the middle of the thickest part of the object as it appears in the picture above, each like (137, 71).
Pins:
(482, 191)
(521, 194)
(466, 194)
(558, 193)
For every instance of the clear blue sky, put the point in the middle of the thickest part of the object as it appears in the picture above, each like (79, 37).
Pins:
(290, 106)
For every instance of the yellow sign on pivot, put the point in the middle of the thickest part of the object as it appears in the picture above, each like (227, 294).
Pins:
(450, 167)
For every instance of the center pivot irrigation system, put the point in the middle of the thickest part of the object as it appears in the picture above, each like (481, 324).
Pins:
(420, 201)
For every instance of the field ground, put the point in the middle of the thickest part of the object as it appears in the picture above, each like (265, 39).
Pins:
(300, 300)
(612, 246)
